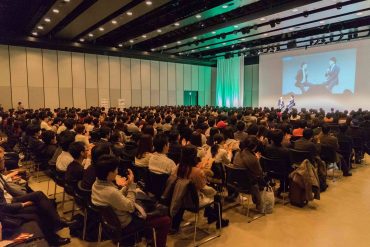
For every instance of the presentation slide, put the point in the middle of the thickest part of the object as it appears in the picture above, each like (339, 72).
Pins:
(319, 77)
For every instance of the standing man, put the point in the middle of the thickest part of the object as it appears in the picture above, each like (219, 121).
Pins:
(332, 74)
(301, 78)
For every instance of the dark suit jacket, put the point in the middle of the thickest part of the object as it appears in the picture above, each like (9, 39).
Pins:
(299, 77)
(305, 145)
(246, 159)
(277, 152)
(329, 140)
(332, 76)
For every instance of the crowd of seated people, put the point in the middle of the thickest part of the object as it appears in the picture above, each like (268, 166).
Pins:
(99, 150)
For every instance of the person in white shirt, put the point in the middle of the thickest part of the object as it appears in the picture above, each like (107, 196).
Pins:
(65, 158)
(44, 125)
(159, 162)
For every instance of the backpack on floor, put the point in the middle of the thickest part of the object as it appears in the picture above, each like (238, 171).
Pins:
(297, 195)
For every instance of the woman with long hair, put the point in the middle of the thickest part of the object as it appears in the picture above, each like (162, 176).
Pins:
(144, 151)
(187, 170)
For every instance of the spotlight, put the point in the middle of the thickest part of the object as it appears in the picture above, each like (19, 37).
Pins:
(311, 42)
(350, 36)
(245, 30)
(196, 43)
(305, 14)
(340, 37)
(331, 38)
(255, 27)
(277, 21)
(355, 34)
(339, 5)
(223, 36)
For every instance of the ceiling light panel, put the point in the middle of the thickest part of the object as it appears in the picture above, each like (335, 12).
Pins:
(204, 15)
(58, 11)
(137, 11)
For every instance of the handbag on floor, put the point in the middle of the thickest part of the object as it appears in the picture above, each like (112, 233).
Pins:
(268, 199)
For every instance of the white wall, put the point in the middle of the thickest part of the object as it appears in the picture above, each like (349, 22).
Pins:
(48, 78)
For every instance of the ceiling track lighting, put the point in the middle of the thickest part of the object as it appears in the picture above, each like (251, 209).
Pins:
(305, 14)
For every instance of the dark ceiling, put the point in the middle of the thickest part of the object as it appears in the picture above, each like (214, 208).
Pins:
(193, 31)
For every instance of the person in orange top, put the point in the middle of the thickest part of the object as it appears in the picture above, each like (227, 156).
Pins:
(299, 131)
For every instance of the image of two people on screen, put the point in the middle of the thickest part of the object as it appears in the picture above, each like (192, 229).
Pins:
(331, 77)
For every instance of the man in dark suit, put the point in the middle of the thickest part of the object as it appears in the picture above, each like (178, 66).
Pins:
(301, 78)
(332, 74)
(277, 152)
(306, 144)
(332, 141)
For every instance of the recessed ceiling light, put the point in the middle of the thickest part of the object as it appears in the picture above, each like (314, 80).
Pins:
(236, 26)
(144, 36)
(225, 6)
(223, 43)
(148, 2)
(207, 47)
(131, 41)
(56, 11)
(243, 39)
(177, 24)
(159, 30)
(114, 22)
(195, 37)
(213, 32)
(34, 33)
(180, 53)
(120, 45)
(291, 29)
(265, 34)
(101, 29)
(40, 27)
(192, 50)
(82, 40)
(129, 13)
(359, 13)
(67, 1)
(47, 19)
(91, 35)
(178, 42)
(262, 19)
(164, 46)
(295, 10)
(152, 49)
(198, 16)
(322, 22)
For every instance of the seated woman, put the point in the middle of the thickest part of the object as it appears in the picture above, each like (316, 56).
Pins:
(230, 142)
(187, 170)
(144, 151)
(106, 193)
(196, 140)
(248, 159)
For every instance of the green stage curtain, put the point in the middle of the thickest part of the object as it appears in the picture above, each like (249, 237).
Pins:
(229, 83)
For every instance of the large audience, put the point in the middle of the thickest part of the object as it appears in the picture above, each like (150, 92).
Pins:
(111, 153)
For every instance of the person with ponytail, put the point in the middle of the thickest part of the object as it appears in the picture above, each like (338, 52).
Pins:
(187, 170)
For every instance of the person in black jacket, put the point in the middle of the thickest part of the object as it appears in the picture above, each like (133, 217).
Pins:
(74, 173)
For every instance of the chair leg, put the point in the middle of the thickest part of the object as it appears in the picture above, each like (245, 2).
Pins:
(85, 225)
(248, 205)
(99, 233)
(195, 229)
(154, 237)
(219, 217)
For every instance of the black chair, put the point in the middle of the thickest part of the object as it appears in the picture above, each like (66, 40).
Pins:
(358, 146)
(112, 227)
(298, 156)
(141, 175)
(83, 198)
(276, 169)
(328, 154)
(219, 177)
(156, 184)
(237, 179)
(193, 205)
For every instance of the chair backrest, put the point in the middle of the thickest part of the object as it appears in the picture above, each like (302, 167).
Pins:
(237, 178)
(328, 153)
(218, 171)
(156, 183)
(298, 156)
(110, 221)
(141, 173)
(274, 168)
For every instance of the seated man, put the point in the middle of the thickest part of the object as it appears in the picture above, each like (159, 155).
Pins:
(278, 152)
(306, 144)
(65, 158)
(74, 173)
(34, 206)
(249, 160)
(332, 141)
(159, 162)
(106, 193)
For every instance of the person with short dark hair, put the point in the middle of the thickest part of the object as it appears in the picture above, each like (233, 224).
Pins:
(81, 134)
(159, 162)
(89, 174)
(65, 158)
(240, 134)
(74, 172)
(106, 193)
(306, 144)
(174, 151)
